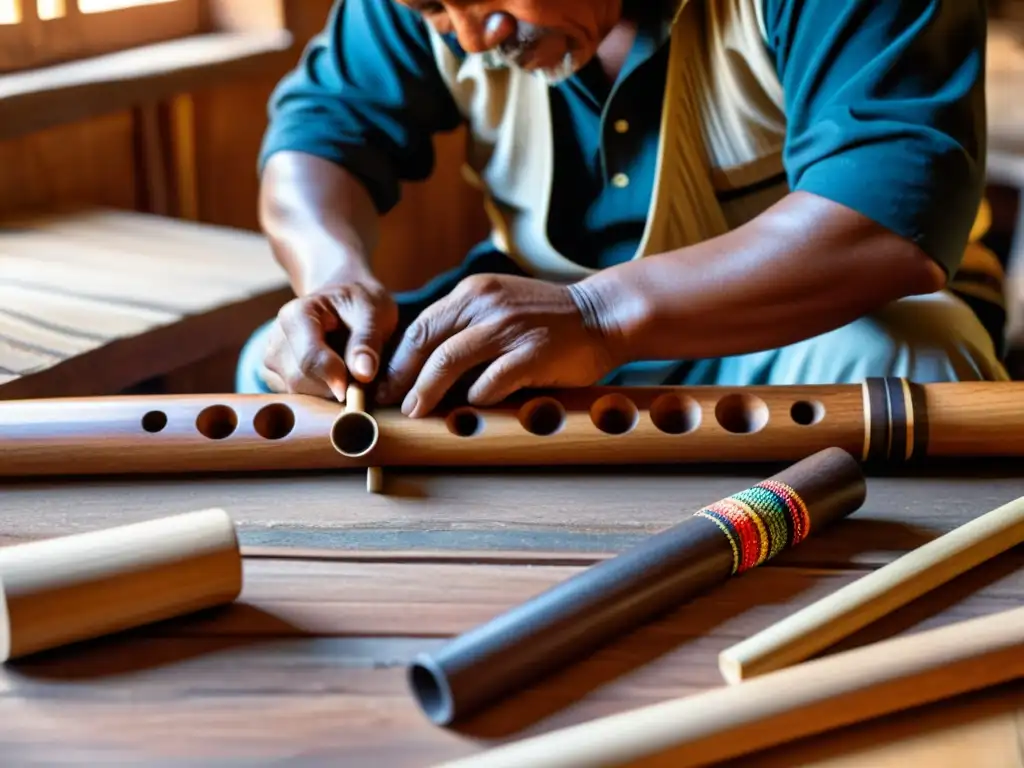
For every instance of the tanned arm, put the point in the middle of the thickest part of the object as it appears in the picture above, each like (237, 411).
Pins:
(320, 220)
(804, 267)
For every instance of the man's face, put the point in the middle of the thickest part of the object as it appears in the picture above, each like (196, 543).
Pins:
(552, 38)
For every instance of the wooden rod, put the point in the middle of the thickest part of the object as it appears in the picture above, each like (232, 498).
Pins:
(578, 615)
(63, 590)
(792, 703)
(355, 433)
(888, 421)
(819, 625)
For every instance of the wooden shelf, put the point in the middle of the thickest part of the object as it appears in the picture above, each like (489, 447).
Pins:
(42, 98)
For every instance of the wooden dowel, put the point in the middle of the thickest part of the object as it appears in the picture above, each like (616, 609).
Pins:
(819, 625)
(791, 703)
(63, 590)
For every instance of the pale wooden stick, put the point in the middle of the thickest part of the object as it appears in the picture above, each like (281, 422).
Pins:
(59, 591)
(819, 625)
(791, 703)
(355, 402)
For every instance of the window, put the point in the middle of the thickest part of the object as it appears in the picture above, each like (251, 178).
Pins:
(34, 33)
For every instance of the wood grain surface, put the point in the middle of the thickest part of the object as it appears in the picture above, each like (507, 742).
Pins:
(98, 300)
(342, 589)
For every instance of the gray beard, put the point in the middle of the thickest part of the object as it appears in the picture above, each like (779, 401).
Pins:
(496, 59)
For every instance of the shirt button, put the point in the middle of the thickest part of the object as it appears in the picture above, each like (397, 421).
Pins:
(621, 126)
(620, 180)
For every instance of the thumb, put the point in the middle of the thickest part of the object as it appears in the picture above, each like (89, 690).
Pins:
(369, 326)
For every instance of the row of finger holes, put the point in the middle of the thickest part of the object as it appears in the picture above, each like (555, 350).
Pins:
(616, 414)
(217, 422)
(613, 414)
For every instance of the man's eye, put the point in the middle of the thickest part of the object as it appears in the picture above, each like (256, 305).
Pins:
(431, 8)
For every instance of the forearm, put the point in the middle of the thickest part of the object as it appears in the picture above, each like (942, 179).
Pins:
(804, 267)
(320, 220)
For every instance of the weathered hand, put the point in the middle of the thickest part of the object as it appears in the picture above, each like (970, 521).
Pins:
(300, 358)
(528, 333)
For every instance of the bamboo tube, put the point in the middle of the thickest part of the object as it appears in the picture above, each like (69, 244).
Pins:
(63, 590)
(578, 615)
(883, 420)
(355, 433)
(856, 605)
(811, 698)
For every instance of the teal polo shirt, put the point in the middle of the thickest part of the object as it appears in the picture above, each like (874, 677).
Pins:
(884, 103)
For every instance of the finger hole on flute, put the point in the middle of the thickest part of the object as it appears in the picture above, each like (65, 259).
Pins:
(742, 413)
(217, 422)
(274, 422)
(542, 416)
(465, 422)
(615, 414)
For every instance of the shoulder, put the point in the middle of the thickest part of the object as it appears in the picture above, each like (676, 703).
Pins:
(865, 24)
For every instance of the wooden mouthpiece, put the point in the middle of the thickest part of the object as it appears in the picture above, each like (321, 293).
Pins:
(803, 700)
(582, 613)
(68, 589)
(825, 622)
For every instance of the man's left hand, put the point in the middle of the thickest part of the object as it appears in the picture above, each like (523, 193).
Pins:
(529, 333)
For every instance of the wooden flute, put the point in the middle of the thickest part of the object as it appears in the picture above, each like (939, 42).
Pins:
(887, 421)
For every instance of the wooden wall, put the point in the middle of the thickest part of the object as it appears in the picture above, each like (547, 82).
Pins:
(92, 163)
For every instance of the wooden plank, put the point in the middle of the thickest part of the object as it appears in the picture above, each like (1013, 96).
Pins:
(21, 359)
(75, 314)
(127, 361)
(179, 293)
(48, 341)
(978, 730)
(318, 597)
(92, 303)
(300, 669)
(247, 266)
(575, 510)
(37, 99)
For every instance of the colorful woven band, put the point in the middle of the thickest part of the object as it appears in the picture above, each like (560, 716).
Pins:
(759, 522)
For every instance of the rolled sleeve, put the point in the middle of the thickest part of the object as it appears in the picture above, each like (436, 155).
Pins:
(886, 111)
(366, 94)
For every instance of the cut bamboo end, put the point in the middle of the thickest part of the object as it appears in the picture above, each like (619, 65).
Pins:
(823, 623)
(80, 587)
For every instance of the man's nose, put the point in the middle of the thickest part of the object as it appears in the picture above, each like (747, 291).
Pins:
(477, 35)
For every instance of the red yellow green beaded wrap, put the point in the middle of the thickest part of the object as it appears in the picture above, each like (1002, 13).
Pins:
(759, 522)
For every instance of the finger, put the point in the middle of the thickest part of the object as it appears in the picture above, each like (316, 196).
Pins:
(369, 327)
(273, 381)
(447, 364)
(282, 374)
(305, 330)
(433, 327)
(504, 377)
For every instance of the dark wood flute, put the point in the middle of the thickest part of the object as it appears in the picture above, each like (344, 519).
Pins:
(574, 618)
(882, 420)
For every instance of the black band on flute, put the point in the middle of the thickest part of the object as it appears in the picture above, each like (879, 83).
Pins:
(879, 419)
(899, 409)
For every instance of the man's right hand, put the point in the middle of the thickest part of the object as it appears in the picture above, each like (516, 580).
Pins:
(300, 357)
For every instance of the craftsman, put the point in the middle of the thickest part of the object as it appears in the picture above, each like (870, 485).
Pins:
(724, 192)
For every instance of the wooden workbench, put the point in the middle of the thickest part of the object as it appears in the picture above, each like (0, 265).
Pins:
(343, 588)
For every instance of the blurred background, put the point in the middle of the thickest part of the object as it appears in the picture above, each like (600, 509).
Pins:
(158, 107)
